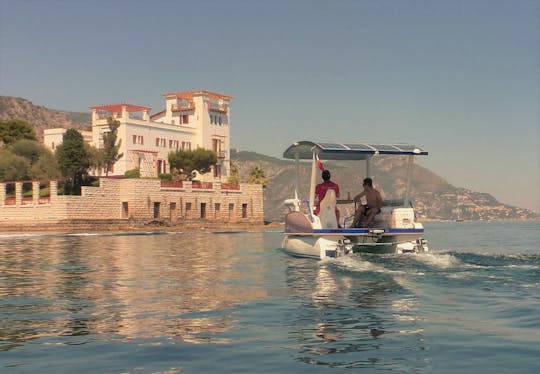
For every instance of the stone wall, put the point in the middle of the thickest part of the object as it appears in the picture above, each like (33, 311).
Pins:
(138, 200)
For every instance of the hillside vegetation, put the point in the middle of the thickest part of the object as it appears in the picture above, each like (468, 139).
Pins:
(40, 117)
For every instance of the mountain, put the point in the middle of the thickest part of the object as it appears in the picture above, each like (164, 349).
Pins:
(434, 197)
(40, 117)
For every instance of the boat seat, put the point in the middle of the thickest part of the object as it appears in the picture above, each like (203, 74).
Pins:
(297, 222)
(327, 213)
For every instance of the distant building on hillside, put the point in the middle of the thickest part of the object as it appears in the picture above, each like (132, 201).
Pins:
(190, 119)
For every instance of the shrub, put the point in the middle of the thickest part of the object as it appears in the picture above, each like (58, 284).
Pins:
(165, 176)
(133, 173)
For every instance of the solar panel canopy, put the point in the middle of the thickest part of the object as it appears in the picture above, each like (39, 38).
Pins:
(348, 151)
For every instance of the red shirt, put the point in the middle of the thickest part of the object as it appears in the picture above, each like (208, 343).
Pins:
(320, 192)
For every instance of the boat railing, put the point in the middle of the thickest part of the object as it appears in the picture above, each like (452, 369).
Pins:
(393, 202)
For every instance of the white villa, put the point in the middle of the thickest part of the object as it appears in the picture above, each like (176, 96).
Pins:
(190, 119)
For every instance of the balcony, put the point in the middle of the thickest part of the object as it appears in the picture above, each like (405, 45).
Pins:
(222, 108)
(183, 106)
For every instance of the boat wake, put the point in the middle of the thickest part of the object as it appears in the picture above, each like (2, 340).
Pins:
(357, 264)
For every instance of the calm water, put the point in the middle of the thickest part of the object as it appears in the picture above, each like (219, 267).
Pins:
(234, 303)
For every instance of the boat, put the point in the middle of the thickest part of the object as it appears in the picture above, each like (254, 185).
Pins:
(395, 229)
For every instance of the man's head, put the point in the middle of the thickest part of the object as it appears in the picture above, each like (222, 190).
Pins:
(326, 175)
(368, 182)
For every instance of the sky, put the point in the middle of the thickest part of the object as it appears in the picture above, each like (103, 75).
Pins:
(459, 78)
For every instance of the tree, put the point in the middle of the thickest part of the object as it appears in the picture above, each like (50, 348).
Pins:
(96, 158)
(184, 162)
(30, 149)
(16, 129)
(45, 167)
(234, 178)
(39, 161)
(110, 148)
(13, 167)
(73, 159)
(257, 176)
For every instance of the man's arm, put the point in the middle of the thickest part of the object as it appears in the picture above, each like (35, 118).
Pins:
(361, 194)
(379, 200)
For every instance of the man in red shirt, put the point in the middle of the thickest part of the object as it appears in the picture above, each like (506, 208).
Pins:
(320, 191)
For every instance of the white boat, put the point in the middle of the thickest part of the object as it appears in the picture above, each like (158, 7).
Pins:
(394, 230)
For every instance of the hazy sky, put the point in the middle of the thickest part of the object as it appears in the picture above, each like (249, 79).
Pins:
(460, 78)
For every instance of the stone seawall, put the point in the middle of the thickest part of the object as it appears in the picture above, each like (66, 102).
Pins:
(134, 201)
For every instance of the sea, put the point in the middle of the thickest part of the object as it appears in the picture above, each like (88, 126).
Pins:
(234, 302)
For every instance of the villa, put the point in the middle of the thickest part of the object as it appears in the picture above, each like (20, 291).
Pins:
(190, 120)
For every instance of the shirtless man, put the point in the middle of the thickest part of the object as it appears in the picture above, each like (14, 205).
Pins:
(366, 213)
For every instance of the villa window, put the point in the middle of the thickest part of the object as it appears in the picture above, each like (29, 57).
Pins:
(244, 210)
(156, 209)
(231, 210)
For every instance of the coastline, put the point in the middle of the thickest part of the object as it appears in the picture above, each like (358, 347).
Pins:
(113, 226)
(131, 227)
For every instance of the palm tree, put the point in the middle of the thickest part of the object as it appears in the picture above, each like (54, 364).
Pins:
(257, 176)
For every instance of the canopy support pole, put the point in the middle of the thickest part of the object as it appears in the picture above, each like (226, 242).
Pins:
(313, 181)
(410, 161)
(297, 181)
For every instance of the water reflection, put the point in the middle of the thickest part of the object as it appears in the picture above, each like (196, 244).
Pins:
(349, 316)
(125, 287)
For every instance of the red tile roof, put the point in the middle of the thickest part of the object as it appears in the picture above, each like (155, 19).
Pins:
(117, 108)
(189, 95)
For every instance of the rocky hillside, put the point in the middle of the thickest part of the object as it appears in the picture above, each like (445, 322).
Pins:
(40, 117)
(433, 196)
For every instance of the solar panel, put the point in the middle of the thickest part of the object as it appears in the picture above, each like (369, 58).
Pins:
(349, 151)
(331, 146)
(358, 147)
(385, 147)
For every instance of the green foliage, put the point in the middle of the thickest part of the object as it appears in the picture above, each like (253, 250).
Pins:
(39, 162)
(165, 177)
(14, 130)
(234, 177)
(73, 160)
(96, 158)
(187, 161)
(133, 173)
(110, 147)
(13, 167)
(30, 149)
(45, 167)
(257, 176)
